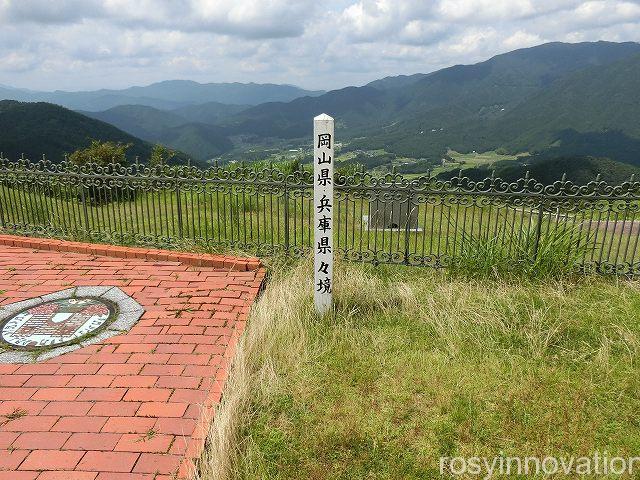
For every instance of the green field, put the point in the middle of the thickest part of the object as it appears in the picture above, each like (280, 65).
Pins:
(472, 160)
(484, 158)
(416, 364)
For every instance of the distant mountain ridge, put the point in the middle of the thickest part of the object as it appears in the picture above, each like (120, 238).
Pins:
(555, 96)
(167, 95)
(138, 120)
(210, 112)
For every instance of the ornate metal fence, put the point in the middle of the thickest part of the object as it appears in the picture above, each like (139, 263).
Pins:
(390, 219)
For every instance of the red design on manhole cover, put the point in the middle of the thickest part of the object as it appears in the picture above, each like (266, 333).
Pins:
(55, 323)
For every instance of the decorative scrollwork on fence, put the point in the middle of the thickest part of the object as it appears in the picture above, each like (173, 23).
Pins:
(428, 221)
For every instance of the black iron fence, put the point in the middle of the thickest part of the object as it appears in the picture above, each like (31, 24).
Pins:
(390, 219)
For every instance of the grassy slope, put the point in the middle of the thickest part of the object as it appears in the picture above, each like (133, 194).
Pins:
(416, 365)
(474, 160)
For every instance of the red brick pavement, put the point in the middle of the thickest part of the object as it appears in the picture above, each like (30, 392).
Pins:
(134, 406)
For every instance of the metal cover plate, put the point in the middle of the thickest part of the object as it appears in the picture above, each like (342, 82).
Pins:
(56, 322)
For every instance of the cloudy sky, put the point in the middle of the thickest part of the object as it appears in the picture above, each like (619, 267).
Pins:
(87, 44)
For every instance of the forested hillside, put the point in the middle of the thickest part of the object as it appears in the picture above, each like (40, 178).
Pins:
(422, 115)
(36, 129)
(506, 102)
(595, 111)
(201, 141)
(209, 112)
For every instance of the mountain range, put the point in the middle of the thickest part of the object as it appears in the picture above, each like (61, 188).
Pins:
(554, 99)
(164, 95)
(179, 113)
(471, 107)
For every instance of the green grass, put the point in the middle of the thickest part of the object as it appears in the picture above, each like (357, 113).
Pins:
(415, 364)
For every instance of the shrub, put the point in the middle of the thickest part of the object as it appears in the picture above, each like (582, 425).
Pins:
(160, 155)
(101, 153)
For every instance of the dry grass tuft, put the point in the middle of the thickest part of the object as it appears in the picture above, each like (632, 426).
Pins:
(275, 337)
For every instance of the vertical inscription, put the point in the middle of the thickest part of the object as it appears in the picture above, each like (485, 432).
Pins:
(323, 145)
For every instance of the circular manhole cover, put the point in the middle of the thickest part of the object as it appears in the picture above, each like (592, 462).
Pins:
(56, 323)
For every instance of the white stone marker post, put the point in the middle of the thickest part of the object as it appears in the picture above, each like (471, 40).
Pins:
(323, 143)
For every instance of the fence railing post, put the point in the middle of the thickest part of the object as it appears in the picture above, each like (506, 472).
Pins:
(179, 205)
(538, 233)
(48, 197)
(85, 211)
(286, 215)
(406, 227)
(2, 202)
(2, 206)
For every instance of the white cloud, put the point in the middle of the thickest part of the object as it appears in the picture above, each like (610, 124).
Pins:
(601, 13)
(247, 18)
(522, 39)
(48, 12)
(18, 62)
(496, 9)
(77, 44)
